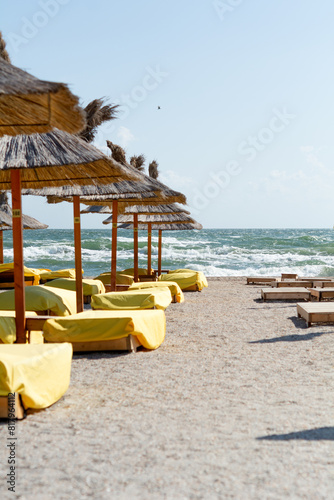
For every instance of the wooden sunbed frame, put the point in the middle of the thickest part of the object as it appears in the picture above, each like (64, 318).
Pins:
(289, 276)
(18, 407)
(285, 294)
(129, 343)
(259, 280)
(7, 280)
(321, 312)
(291, 283)
(322, 293)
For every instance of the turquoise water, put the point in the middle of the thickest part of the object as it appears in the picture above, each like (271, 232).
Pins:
(217, 252)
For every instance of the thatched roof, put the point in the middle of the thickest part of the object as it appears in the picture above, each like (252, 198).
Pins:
(3, 52)
(165, 227)
(138, 162)
(172, 208)
(6, 222)
(29, 105)
(152, 218)
(57, 159)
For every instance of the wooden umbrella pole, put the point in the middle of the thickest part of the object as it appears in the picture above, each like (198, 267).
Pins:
(149, 248)
(77, 252)
(114, 245)
(135, 247)
(159, 251)
(1, 246)
(20, 319)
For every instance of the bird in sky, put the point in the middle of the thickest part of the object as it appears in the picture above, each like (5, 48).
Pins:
(159, 107)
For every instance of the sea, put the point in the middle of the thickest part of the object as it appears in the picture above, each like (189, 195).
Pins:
(216, 252)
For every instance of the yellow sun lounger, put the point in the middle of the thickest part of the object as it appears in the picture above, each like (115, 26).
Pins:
(187, 280)
(46, 275)
(175, 290)
(150, 298)
(108, 330)
(8, 329)
(121, 279)
(42, 299)
(90, 287)
(31, 276)
(38, 374)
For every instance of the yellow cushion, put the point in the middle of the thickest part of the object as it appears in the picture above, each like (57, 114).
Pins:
(90, 287)
(27, 271)
(158, 298)
(39, 373)
(8, 327)
(42, 298)
(186, 279)
(121, 279)
(131, 271)
(60, 273)
(148, 326)
(175, 290)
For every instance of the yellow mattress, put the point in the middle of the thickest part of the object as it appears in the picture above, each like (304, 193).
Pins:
(158, 298)
(175, 290)
(27, 271)
(131, 271)
(39, 373)
(121, 279)
(148, 326)
(8, 328)
(41, 298)
(186, 279)
(90, 287)
(45, 274)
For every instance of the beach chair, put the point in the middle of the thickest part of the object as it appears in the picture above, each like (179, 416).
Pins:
(90, 287)
(8, 329)
(188, 280)
(287, 293)
(32, 376)
(177, 294)
(260, 280)
(149, 298)
(43, 300)
(316, 312)
(46, 275)
(31, 277)
(121, 330)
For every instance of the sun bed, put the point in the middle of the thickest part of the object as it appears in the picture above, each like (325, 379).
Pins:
(316, 312)
(175, 290)
(108, 330)
(187, 280)
(90, 287)
(322, 293)
(46, 275)
(291, 283)
(43, 300)
(33, 376)
(31, 277)
(8, 329)
(288, 293)
(260, 280)
(289, 276)
(149, 298)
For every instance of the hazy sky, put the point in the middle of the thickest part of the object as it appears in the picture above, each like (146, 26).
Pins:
(245, 89)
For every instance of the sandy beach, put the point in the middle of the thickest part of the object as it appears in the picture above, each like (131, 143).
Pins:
(235, 404)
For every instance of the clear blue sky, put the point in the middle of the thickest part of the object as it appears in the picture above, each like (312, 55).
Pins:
(245, 87)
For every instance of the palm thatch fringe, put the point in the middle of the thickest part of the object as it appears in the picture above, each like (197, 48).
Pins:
(97, 112)
(3, 52)
(152, 218)
(138, 162)
(137, 209)
(153, 169)
(165, 227)
(57, 159)
(29, 105)
(117, 153)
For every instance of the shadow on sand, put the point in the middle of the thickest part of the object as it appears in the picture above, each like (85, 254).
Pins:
(318, 434)
(291, 338)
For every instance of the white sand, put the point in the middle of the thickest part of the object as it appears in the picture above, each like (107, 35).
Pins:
(184, 422)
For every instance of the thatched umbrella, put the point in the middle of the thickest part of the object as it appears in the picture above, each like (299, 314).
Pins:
(6, 221)
(150, 220)
(29, 105)
(176, 226)
(52, 159)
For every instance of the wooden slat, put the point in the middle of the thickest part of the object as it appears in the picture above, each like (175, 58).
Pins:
(77, 251)
(19, 410)
(114, 246)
